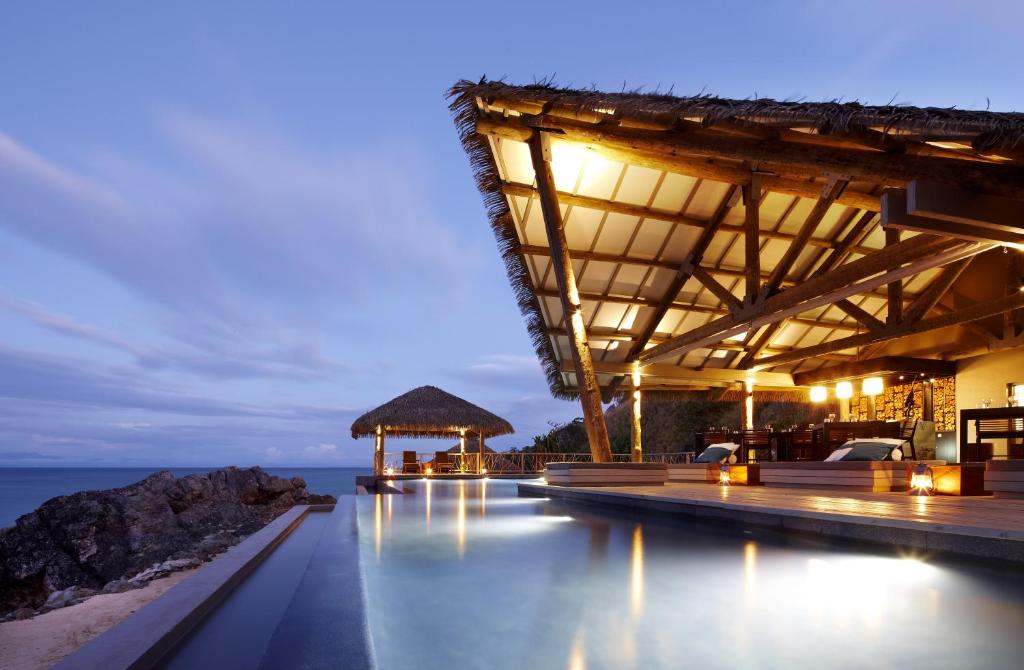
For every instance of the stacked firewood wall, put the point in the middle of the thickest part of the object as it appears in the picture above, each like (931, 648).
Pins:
(890, 406)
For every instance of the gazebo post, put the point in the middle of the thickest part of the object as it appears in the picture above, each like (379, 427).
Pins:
(565, 278)
(378, 454)
(462, 449)
(480, 463)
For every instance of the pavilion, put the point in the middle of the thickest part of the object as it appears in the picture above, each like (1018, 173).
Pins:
(429, 412)
(661, 243)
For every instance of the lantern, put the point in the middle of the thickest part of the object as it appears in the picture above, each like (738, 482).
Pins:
(922, 480)
(724, 478)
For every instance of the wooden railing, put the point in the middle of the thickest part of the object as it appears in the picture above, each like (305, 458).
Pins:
(505, 463)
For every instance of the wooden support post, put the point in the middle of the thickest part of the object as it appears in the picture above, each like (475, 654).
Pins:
(480, 465)
(637, 451)
(752, 237)
(378, 452)
(462, 450)
(748, 405)
(895, 289)
(561, 265)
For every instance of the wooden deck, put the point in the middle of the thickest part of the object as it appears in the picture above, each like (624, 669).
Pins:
(980, 526)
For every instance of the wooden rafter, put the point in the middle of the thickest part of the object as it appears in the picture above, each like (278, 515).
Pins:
(969, 314)
(931, 296)
(829, 194)
(713, 285)
(780, 156)
(702, 168)
(752, 237)
(682, 219)
(858, 313)
(859, 276)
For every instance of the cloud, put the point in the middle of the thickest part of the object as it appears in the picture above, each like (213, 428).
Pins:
(321, 451)
(504, 368)
(69, 382)
(212, 360)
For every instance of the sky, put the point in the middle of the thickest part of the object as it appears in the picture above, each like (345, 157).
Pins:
(228, 229)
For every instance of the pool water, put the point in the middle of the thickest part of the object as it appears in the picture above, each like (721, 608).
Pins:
(469, 575)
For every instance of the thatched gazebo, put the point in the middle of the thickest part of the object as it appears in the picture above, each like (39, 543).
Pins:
(428, 411)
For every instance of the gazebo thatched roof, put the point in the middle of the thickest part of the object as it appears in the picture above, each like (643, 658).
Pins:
(674, 270)
(428, 411)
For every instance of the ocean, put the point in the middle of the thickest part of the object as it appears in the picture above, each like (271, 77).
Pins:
(24, 489)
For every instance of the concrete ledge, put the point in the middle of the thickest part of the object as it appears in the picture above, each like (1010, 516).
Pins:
(962, 540)
(145, 637)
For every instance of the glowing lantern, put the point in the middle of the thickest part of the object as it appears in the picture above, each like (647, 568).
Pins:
(724, 478)
(872, 386)
(429, 470)
(819, 394)
(483, 471)
(922, 481)
(389, 471)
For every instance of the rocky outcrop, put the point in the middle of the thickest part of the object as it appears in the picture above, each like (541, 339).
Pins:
(121, 538)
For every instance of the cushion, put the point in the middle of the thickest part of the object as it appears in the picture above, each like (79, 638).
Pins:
(717, 453)
(869, 450)
(838, 454)
(894, 441)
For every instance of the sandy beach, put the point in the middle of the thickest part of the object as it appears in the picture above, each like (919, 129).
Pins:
(41, 641)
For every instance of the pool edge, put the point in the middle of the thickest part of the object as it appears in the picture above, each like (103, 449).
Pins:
(145, 637)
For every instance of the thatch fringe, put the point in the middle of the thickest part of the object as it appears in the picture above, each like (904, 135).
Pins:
(463, 107)
(428, 411)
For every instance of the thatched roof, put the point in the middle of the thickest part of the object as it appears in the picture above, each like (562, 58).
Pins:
(428, 411)
(981, 140)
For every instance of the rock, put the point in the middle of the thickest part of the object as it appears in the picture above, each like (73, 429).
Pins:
(158, 570)
(23, 613)
(118, 586)
(96, 539)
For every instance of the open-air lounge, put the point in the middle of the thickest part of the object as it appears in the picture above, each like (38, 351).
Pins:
(863, 260)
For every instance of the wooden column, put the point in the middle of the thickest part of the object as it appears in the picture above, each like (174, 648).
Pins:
(378, 452)
(895, 289)
(561, 265)
(748, 405)
(462, 450)
(752, 236)
(480, 464)
(637, 451)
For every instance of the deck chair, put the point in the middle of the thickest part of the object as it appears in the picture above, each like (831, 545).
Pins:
(410, 464)
(441, 462)
(757, 446)
(907, 429)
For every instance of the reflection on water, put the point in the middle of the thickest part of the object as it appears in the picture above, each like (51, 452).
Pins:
(467, 575)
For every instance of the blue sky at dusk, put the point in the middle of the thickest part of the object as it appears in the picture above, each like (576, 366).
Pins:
(227, 229)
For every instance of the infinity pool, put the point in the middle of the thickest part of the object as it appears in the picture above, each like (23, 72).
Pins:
(468, 575)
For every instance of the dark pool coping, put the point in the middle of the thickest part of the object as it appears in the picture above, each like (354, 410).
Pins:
(143, 639)
(940, 538)
(326, 623)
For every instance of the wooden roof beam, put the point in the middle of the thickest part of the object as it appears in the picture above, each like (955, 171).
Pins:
(967, 315)
(776, 155)
(704, 376)
(522, 190)
(704, 168)
(865, 274)
(698, 309)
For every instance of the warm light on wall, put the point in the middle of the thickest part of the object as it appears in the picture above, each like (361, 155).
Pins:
(872, 386)
(844, 390)
(819, 394)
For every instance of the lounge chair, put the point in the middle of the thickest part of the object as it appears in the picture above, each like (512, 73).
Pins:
(410, 464)
(441, 463)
